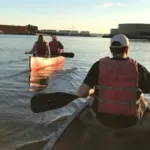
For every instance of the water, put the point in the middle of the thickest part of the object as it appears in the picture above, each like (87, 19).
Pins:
(18, 125)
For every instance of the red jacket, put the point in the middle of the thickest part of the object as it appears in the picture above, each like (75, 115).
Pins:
(55, 47)
(118, 83)
(41, 49)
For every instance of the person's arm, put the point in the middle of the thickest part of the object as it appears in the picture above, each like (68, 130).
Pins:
(84, 90)
(60, 48)
(144, 79)
(33, 50)
(47, 51)
(60, 45)
(87, 87)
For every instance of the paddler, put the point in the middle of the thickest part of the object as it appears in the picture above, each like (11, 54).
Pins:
(118, 84)
(40, 48)
(55, 46)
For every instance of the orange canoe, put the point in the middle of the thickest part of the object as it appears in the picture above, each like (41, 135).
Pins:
(37, 63)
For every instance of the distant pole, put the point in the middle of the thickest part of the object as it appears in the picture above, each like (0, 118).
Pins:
(73, 28)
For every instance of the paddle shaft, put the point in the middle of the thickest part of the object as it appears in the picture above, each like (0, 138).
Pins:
(66, 54)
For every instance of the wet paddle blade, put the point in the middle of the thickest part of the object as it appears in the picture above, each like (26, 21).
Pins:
(49, 101)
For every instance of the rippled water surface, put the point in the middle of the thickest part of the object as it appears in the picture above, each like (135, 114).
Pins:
(18, 125)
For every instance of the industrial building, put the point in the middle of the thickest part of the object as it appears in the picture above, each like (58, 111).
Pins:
(133, 29)
(66, 32)
(87, 33)
(32, 30)
(12, 29)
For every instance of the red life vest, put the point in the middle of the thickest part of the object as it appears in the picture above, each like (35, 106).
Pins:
(41, 49)
(118, 83)
(53, 47)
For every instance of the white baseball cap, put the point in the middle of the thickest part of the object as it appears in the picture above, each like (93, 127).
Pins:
(122, 39)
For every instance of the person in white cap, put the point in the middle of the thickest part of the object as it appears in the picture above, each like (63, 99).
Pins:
(55, 46)
(117, 84)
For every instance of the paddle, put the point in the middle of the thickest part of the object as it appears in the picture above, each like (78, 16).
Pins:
(65, 54)
(49, 101)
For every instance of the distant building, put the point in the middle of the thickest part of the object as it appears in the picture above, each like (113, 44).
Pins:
(12, 29)
(115, 31)
(68, 33)
(132, 29)
(73, 32)
(63, 32)
(1, 32)
(85, 33)
(51, 31)
(48, 31)
(95, 34)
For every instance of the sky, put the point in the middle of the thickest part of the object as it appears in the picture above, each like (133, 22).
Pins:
(96, 16)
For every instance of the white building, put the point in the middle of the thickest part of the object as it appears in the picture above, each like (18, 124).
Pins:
(84, 33)
(132, 29)
(73, 32)
(64, 32)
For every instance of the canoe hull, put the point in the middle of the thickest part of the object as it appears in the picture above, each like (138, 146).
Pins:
(37, 63)
(79, 134)
(85, 134)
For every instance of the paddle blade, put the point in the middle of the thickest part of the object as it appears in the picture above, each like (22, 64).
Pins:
(49, 101)
(70, 55)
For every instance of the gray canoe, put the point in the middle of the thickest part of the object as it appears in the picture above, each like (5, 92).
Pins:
(82, 132)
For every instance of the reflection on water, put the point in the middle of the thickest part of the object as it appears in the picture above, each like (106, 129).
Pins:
(18, 125)
(38, 79)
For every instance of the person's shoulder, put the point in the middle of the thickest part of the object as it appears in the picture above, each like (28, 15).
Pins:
(95, 65)
(50, 42)
(36, 43)
(140, 66)
(135, 61)
(98, 61)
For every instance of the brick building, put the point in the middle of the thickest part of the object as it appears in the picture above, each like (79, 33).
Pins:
(12, 29)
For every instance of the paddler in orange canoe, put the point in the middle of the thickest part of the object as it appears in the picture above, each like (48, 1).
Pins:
(55, 46)
(118, 84)
(40, 48)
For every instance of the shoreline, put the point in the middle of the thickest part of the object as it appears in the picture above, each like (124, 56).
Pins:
(130, 37)
(46, 34)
